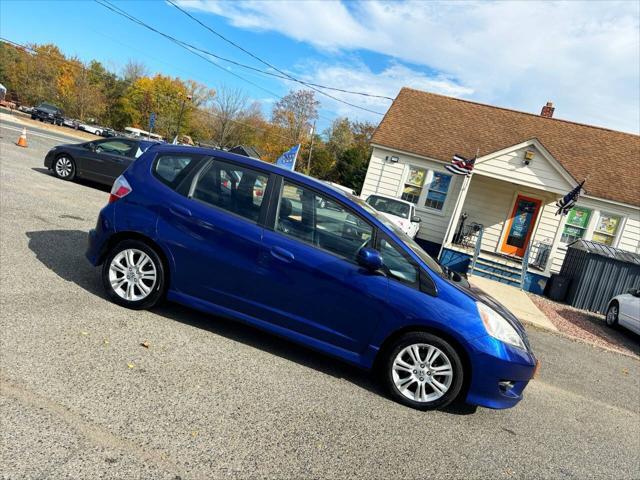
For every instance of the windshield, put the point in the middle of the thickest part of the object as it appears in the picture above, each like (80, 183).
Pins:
(47, 108)
(390, 206)
(408, 241)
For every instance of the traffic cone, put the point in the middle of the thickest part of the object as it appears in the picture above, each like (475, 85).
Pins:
(22, 140)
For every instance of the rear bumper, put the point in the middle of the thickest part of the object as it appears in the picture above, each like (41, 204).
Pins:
(494, 362)
(99, 236)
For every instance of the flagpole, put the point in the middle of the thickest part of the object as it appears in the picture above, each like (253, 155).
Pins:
(463, 189)
(311, 148)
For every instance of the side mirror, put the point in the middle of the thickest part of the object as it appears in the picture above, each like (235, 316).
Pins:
(634, 291)
(416, 219)
(460, 279)
(370, 259)
(91, 146)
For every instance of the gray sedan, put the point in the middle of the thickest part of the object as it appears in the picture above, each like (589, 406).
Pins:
(101, 161)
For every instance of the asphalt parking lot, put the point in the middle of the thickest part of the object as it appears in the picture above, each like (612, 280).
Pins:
(80, 397)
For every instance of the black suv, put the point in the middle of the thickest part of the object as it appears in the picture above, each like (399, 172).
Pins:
(45, 112)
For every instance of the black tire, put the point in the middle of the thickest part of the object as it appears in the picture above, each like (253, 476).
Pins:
(62, 164)
(450, 353)
(612, 314)
(155, 296)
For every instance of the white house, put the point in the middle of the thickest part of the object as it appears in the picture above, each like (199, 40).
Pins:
(525, 163)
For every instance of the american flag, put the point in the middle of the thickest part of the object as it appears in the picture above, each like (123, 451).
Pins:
(460, 165)
(567, 202)
(288, 159)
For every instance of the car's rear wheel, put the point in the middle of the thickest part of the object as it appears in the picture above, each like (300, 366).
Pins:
(64, 167)
(423, 371)
(612, 314)
(133, 275)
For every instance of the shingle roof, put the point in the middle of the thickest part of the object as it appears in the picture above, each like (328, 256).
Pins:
(436, 126)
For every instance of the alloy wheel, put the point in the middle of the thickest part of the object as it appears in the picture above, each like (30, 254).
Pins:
(64, 167)
(612, 315)
(422, 372)
(132, 274)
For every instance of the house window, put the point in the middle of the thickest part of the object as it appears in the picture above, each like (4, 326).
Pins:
(426, 187)
(606, 228)
(413, 185)
(576, 225)
(437, 191)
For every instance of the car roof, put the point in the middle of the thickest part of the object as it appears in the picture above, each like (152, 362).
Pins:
(256, 163)
(391, 198)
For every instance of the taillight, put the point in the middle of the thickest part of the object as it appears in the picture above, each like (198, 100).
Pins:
(120, 189)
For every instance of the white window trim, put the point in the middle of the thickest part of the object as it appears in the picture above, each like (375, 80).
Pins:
(419, 206)
(619, 230)
(596, 213)
(587, 231)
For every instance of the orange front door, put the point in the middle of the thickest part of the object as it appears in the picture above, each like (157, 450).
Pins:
(520, 225)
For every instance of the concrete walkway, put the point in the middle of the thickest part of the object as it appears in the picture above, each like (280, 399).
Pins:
(515, 300)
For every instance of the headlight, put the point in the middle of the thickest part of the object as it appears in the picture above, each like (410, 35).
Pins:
(498, 327)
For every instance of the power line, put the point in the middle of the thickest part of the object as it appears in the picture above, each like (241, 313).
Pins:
(189, 47)
(193, 49)
(283, 73)
(180, 43)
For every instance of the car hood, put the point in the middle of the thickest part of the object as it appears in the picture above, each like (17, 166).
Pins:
(395, 219)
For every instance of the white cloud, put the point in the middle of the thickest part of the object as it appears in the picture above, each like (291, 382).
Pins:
(585, 56)
(385, 83)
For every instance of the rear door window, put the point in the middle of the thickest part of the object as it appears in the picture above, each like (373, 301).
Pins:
(234, 188)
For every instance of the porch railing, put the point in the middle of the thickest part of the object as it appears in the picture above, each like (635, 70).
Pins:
(537, 256)
(467, 235)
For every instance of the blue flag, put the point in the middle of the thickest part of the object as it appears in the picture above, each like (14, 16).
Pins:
(567, 202)
(288, 159)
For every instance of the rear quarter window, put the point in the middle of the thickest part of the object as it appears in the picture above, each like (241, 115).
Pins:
(172, 169)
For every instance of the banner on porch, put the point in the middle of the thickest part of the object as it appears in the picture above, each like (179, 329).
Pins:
(288, 159)
(460, 165)
(567, 202)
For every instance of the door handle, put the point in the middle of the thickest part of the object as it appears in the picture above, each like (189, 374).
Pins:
(282, 254)
(180, 211)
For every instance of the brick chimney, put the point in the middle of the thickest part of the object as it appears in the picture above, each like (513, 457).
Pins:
(547, 110)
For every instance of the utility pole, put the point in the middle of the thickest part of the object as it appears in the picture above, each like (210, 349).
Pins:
(313, 129)
(188, 97)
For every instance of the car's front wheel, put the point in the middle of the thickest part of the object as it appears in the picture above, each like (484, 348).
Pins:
(133, 275)
(64, 167)
(612, 314)
(423, 371)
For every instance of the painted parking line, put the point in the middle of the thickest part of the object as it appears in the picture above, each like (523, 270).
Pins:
(42, 135)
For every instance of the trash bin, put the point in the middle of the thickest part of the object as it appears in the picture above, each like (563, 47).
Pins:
(558, 287)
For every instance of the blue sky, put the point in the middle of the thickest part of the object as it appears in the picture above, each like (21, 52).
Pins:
(583, 56)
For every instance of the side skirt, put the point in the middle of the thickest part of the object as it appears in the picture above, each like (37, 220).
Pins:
(361, 361)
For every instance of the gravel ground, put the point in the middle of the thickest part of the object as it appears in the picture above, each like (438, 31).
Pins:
(80, 398)
(587, 326)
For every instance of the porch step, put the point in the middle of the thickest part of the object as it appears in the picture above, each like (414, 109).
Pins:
(498, 268)
(497, 277)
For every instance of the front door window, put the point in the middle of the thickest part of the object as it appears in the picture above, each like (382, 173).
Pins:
(520, 225)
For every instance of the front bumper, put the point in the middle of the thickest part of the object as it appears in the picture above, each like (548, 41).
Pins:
(493, 362)
(48, 159)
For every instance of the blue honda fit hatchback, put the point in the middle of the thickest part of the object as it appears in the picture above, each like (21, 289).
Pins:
(238, 237)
